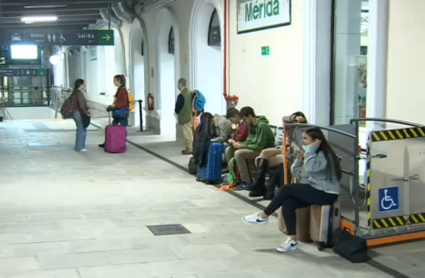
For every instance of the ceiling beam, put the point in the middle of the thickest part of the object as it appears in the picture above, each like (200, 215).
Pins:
(60, 20)
(68, 9)
(75, 25)
(93, 13)
(53, 2)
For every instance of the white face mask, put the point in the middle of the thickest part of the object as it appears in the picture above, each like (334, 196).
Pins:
(306, 148)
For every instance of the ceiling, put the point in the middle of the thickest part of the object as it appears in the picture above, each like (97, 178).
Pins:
(77, 14)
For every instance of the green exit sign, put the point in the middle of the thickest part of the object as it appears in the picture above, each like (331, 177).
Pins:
(265, 50)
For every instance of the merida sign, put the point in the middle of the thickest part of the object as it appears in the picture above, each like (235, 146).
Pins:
(254, 15)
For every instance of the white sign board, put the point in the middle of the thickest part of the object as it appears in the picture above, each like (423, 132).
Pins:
(254, 15)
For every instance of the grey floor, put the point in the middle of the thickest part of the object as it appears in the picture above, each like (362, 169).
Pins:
(67, 214)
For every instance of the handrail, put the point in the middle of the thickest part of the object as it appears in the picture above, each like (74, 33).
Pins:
(386, 121)
(323, 127)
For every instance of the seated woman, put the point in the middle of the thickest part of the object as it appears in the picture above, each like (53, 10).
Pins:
(273, 157)
(319, 185)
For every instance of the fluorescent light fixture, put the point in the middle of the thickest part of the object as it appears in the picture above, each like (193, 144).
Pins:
(44, 6)
(39, 18)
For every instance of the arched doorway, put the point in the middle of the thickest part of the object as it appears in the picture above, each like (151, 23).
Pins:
(138, 67)
(207, 53)
(167, 56)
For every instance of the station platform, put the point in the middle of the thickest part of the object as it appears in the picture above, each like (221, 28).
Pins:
(88, 215)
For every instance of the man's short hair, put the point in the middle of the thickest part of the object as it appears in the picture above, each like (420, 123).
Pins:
(182, 82)
(232, 112)
(247, 111)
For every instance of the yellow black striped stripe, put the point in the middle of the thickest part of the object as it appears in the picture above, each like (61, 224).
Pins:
(369, 186)
(389, 222)
(398, 134)
(417, 218)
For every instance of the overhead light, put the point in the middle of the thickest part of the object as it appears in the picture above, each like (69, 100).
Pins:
(31, 19)
(55, 59)
(44, 6)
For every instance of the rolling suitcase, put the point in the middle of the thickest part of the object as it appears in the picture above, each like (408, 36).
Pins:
(324, 220)
(115, 139)
(211, 173)
(302, 226)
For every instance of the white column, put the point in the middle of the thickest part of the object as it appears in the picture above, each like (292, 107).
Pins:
(377, 60)
(317, 60)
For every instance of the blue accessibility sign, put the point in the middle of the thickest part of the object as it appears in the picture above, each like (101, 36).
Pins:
(389, 199)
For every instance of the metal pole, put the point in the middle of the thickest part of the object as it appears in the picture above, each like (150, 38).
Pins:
(141, 114)
(109, 16)
(356, 178)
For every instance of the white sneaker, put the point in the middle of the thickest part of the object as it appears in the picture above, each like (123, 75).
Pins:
(83, 150)
(255, 219)
(287, 246)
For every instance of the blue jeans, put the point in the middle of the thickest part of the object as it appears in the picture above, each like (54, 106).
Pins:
(121, 122)
(80, 140)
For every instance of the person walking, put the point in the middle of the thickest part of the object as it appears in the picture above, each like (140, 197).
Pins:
(81, 115)
(183, 109)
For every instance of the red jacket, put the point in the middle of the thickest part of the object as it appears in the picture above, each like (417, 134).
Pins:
(242, 132)
(121, 98)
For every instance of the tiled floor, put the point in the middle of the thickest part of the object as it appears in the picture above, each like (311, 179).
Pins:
(67, 215)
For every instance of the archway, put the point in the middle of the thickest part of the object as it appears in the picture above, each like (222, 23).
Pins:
(138, 79)
(167, 64)
(207, 54)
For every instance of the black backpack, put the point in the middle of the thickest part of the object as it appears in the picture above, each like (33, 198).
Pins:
(352, 248)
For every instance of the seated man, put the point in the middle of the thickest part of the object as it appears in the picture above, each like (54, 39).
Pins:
(241, 133)
(222, 129)
(260, 137)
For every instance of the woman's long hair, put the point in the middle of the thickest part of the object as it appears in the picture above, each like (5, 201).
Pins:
(331, 158)
(120, 78)
(77, 85)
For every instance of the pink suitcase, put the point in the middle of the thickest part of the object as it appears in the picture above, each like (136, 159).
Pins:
(115, 139)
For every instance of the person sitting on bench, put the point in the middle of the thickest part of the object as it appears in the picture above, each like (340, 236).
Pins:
(318, 186)
(260, 137)
(273, 157)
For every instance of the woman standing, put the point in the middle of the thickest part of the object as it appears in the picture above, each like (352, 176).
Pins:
(81, 116)
(121, 102)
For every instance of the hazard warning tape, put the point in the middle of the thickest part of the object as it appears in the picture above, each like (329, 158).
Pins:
(369, 186)
(398, 134)
(417, 218)
(389, 222)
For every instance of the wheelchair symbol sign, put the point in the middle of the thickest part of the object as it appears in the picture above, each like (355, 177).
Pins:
(388, 199)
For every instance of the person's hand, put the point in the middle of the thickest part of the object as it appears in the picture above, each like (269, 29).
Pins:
(299, 119)
(316, 143)
(236, 145)
(300, 154)
(88, 114)
(231, 141)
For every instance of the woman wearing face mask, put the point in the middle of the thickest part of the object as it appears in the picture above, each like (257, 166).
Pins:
(318, 170)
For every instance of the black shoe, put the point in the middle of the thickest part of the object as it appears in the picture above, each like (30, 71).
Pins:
(102, 145)
(256, 193)
(241, 186)
(258, 184)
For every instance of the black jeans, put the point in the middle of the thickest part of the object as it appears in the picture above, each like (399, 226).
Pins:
(294, 196)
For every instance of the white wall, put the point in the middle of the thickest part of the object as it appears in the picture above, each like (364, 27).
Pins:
(406, 57)
(272, 85)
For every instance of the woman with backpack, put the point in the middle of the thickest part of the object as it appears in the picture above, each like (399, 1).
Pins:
(120, 107)
(81, 115)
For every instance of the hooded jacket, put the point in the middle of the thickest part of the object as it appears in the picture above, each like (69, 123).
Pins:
(260, 136)
(223, 129)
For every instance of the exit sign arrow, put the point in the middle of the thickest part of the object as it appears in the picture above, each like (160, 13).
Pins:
(106, 37)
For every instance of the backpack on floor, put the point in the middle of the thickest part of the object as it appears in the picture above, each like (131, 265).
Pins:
(69, 107)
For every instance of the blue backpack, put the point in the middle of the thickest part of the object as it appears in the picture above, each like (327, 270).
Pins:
(198, 101)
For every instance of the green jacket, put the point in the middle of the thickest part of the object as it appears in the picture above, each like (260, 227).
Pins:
(185, 114)
(260, 136)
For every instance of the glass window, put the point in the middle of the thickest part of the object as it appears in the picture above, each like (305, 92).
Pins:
(214, 32)
(171, 41)
(351, 25)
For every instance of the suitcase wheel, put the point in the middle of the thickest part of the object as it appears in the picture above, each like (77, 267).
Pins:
(208, 182)
(320, 247)
(198, 179)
